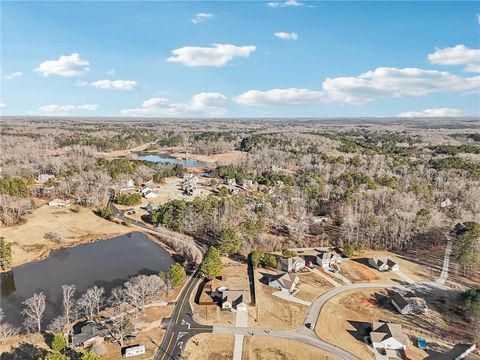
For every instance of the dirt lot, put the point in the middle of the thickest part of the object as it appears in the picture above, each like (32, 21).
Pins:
(344, 318)
(416, 271)
(211, 347)
(357, 272)
(271, 348)
(311, 286)
(29, 242)
(224, 158)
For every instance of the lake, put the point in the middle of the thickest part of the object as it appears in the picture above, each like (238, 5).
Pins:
(106, 263)
(164, 158)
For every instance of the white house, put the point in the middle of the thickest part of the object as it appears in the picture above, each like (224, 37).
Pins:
(59, 203)
(235, 299)
(127, 184)
(149, 194)
(134, 350)
(231, 182)
(388, 336)
(247, 183)
(284, 282)
(383, 264)
(446, 203)
(295, 263)
(328, 258)
(44, 177)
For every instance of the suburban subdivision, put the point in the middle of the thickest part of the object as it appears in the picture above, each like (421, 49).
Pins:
(225, 239)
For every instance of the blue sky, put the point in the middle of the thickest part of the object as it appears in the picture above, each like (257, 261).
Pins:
(245, 59)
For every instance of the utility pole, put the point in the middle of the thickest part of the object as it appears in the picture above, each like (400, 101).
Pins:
(256, 309)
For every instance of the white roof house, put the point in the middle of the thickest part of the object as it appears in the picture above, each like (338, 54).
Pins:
(44, 177)
(295, 263)
(327, 258)
(59, 203)
(235, 299)
(446, 203)
(284, 282)
(388, 336)
(149, 194)
(127, 184)
(134, 350)
(383, 264)
(232, 182)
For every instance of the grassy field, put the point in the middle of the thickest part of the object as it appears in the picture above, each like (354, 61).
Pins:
(29, 239)
(209, 347)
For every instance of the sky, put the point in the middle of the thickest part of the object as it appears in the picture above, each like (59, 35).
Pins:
(240, 59)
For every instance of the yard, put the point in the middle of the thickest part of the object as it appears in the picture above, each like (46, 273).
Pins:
(209, 347)
(271, 348)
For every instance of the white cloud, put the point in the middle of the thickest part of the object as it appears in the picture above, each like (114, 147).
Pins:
(81, 83)
(203, 104)
(216, 55)
(438, 112)
(201, 18)
(383, 82)
(457, 55)
(288, 3)
(291, 96)
(12, 75)
(286, 35)
(66, 65)
(111, 72)
(3, 105)
(114, 84)
(65, 109)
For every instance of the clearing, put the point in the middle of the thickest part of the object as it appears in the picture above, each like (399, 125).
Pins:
(209, 346)
(29, 242)
(271, 348)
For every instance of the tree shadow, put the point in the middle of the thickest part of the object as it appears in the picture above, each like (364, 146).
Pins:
(266, 278)
(24, 351)
(362, 329)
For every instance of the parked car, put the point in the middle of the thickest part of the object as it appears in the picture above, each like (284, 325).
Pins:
(310, 326)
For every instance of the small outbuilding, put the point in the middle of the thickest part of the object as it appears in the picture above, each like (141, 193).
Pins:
(134, 350)
(59, 203)
(44, 177)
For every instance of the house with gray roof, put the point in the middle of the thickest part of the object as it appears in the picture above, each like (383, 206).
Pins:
(383, 264)
(90, 334)
(401, 303)
(284, 282)
(388, 336)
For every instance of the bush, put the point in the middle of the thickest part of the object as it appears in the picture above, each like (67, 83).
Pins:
(128, 199)
(106, 213)
(177, 274)
(289, 253)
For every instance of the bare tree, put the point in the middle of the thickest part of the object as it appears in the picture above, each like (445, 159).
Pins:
(33, 311)
(91, 302)
(59, 325)
(68, 302)
(121, 326)
(142, 289)
(6, 330)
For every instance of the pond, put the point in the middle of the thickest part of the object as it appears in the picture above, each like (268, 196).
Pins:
(164, 158)
(106, 263)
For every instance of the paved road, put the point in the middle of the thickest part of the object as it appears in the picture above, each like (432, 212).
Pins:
(303, 334)
(446, 262)
(181, 326)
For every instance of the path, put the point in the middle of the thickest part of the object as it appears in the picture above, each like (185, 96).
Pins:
(241, 321)
(404, 276)
(289, 297)
(325, 277)
(446, 262)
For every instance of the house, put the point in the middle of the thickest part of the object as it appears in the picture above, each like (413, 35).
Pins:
(401, 303)
(149, 208)
(89, 334)
(446, 203)
(320, 219)
(233, 191)
(295, 263)
(235, 299)
(383, 264)
(247, 183)
(134, 350)
(284, 282)
(388, 336)
(44, 177)
(328, 258)
(150, 194)
(127, 184)
(231, 182)
(59, 203)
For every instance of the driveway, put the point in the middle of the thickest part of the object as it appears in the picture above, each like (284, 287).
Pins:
(241, 321)
(289, 297)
